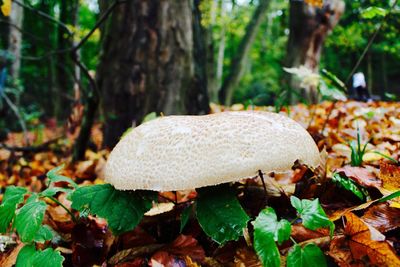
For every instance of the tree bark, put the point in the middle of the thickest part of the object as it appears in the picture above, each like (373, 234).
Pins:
(64, 65)
(238, 63)
(147, 64)
(15, 38)
(309, 27)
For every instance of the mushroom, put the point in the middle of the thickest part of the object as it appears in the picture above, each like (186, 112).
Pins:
(185, 152)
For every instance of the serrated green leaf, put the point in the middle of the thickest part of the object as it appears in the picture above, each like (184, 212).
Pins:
(55, 177)
(309, 256)
(267, 221)
(29, 219)
(220, 214)
(312, 214)
(348, 184)
(123, 210)
(266, 249)
(43, 234)
(51, 191)
(47, 257)
(12, 197)
(25, 256)
(185, 217)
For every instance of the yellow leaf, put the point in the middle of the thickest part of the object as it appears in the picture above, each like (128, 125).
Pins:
(317, 3)
(6, 7)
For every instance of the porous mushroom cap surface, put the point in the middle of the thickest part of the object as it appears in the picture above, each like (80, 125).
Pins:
(186, 152)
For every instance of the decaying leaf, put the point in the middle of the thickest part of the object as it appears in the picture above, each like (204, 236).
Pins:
(357, 247)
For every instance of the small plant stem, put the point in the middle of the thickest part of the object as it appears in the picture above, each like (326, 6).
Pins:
(65, 208)
(292, 239)
(264, 186)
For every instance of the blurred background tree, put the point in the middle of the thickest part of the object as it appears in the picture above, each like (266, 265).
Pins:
(172, 57)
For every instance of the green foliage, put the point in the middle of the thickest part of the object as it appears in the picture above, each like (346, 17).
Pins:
(29, 218)
(267, 221)
(30, 257)
(12, 197)
(312, 214)
(308, 256)
(266, 248)
(123, 210)
(373, 12)
(185, 217)
(350, 185)
(357, 150)
(219, 213)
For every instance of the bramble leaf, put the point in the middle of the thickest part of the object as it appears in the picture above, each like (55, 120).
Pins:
(220, 214)
(55, 177)
(25, 256)
(266, 249)
(267, 221)
(309, 256)
(123, 210)
(312, 214)
(43, 234)
(12, 197)
(29, 218)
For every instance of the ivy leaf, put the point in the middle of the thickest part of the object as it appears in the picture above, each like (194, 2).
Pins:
(29, 218)
(185, 217)
(12, 197)
(266, 249)
(220, 214)
(43, 234)
(25, 256)
(123, 210)
(309, 256)
(267, 221)
(349, 185)
(312, 214)
(55, 177)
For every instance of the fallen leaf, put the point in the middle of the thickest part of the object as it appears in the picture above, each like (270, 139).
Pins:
(361, 175)
(382, 217)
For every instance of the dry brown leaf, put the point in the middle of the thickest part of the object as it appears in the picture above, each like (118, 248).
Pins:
(382, 217)
(361, 176)
(358, 249)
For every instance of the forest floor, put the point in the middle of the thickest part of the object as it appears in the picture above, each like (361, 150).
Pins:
(367, 226)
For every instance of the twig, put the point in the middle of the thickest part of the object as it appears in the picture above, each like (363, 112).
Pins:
(15, 109)
(33, 149)
(264, 186)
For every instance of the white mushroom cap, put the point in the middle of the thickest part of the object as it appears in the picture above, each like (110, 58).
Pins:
(187, 152)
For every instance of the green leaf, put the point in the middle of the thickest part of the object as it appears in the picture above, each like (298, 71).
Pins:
(43, 234)
(348, 184)
(185, 217)
(47, 257)
(25, 256)
(267, 221)
(123, 210)
(312, 214)
(389, 197)
(29, 219)
(266, 249)
(30, 257)
(220, 214)
(51, 191)
(309, 256)
(372, 12)
(55, 177)
(12, 197)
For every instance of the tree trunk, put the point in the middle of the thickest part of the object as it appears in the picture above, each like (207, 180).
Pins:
(15, 38)
(147, 64)
(65, 66)
(309, 27)
(238, 63)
